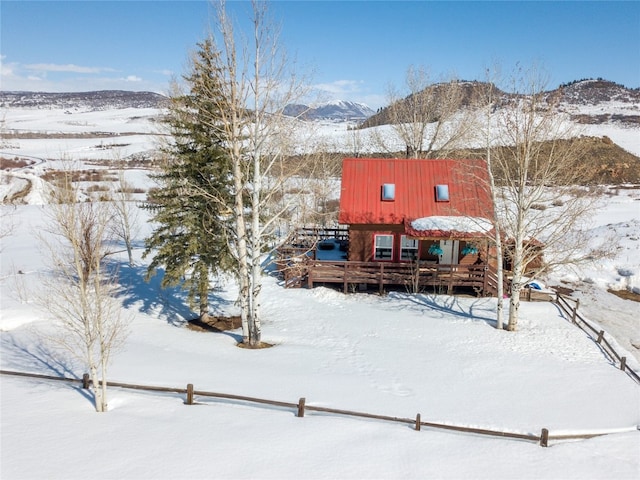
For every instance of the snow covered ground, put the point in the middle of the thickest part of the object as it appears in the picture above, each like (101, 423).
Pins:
(396, 355)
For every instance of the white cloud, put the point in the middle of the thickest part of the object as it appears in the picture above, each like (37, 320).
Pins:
(53, 67)
(51, 77)
(339, 87)
(351, 90)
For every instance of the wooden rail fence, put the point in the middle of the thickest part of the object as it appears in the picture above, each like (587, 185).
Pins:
(301, 407)
(563, 302)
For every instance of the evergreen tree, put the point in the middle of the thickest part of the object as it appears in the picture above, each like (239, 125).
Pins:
(189, 206)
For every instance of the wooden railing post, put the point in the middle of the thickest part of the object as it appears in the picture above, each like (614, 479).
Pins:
(345, 286)
(600, 336)
(623, 363)
(301, 404)
(485, 280)
(544, 438)
(85, 381)
(418, 424)
(381, 281)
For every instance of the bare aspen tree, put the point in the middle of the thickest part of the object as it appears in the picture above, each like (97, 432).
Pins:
(253, 85)
(80, 291)
(429, 117)
(324, 187)
(538, 170)
(355, 141)
(487, 99)
(125, 220)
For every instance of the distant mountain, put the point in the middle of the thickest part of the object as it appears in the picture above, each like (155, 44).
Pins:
(587, 101)
(88, 101)
(593, 92)
(469, 92)
(338, 110)
(615, 103)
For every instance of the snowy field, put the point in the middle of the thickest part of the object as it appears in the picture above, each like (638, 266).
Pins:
(396, 355)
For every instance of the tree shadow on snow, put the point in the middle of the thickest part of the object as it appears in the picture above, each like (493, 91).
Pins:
(38, 357)
(478, 310)
(169, 303)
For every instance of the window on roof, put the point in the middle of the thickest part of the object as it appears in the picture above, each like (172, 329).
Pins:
(388, 192)
(442, 193)
(408, 249)
(383, 247)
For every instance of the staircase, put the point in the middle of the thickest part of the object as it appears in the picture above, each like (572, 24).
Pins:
(490, 287)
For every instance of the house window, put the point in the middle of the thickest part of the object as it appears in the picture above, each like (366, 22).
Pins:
(383, 247)
(442, 193)
(408, 249)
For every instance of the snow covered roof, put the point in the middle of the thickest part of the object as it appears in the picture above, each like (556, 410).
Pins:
(449, 226)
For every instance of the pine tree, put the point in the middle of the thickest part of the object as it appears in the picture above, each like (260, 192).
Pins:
(190, 238)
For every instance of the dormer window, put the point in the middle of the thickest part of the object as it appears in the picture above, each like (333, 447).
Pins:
(388, 192)
(442, 193)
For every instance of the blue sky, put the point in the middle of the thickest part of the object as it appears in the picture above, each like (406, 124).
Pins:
(355, 49)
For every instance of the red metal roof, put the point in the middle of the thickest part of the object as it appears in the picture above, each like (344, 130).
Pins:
(415, 183)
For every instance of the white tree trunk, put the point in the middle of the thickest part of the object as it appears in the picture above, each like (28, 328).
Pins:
(500, 275)
(98, 390)
(516, 284)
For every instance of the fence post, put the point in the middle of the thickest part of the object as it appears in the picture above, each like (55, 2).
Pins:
(600, 336)
(623, 363)
(189, 394)
(575, 313)
(301, 403)
(418, 425)
(85, 381)
(544, 438)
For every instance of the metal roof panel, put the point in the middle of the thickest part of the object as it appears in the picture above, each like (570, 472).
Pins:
(415, 181)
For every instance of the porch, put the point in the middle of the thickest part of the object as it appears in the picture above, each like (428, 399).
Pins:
(415, 277)
(313, 257)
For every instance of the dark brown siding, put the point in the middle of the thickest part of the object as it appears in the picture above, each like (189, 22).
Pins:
(361, 240)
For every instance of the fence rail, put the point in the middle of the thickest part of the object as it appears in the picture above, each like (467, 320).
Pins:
(301, 407)
(563, 302)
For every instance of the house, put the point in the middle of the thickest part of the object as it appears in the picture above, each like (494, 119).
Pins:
(415, 224)
(398, 210)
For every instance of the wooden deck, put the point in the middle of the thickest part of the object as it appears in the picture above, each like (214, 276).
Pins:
(356, 275)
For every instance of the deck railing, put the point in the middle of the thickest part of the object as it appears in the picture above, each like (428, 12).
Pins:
(415, 276)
